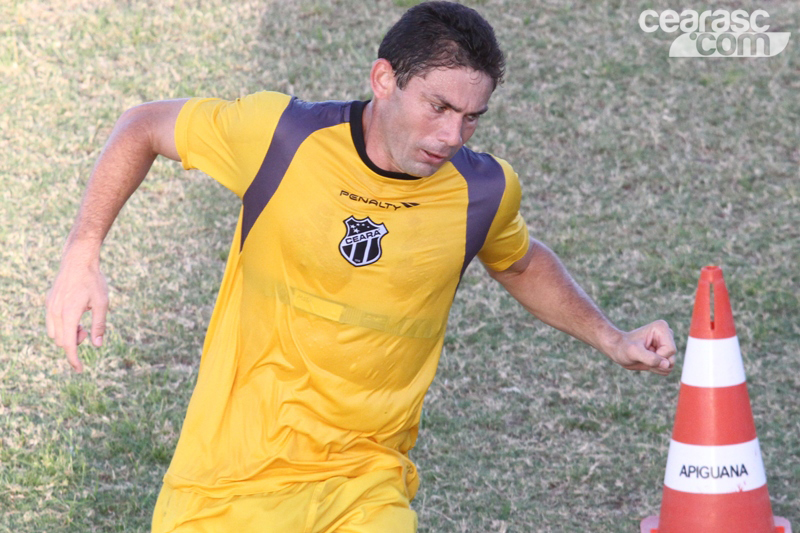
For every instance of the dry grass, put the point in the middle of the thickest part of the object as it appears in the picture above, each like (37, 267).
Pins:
(637, 169)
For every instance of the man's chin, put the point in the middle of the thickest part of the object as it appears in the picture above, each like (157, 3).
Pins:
(423, 170)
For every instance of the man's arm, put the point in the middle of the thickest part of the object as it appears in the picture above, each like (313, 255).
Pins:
(140, 134)
(543, 286)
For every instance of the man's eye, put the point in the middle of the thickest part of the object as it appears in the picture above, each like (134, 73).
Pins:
(438, 108)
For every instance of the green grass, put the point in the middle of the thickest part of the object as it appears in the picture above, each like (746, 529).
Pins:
(637, 169)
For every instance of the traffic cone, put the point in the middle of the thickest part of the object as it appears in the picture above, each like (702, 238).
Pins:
(715, 480)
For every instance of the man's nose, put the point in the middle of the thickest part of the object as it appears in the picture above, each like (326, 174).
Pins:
(450, 133)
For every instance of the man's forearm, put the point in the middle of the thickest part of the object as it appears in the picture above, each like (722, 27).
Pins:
(140, 134)
(547, 291)
(543, 286)
(120, 169)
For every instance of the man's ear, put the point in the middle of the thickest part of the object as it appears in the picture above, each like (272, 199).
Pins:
(382, 79)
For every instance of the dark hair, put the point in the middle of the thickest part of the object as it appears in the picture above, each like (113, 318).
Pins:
(441, 35)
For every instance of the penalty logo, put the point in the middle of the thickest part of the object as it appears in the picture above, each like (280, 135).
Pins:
(361, 244)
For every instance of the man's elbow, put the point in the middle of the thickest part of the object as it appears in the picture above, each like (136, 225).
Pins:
(152, 125)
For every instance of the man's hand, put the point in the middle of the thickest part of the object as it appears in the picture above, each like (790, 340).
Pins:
(650, 348)
(79, 287)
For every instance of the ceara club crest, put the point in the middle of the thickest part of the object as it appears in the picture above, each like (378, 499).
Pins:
(362, 244)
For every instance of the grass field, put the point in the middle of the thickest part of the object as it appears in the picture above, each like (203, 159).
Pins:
(637, 169)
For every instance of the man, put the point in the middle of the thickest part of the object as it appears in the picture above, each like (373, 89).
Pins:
(357, 223)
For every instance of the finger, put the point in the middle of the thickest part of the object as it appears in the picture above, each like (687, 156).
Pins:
(662, 339)
(75, 363)
(654, 362)
(55, 324)
(82, 335)
(665, 366)
(99, 322)
(667, 351)
(72, 355)
(665, 347)
(658, 369)
(70, 341)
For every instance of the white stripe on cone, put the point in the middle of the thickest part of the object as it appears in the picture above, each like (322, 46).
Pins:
(713, 363)
(715, 469)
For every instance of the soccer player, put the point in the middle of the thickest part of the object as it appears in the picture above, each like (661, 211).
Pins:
(358, 220)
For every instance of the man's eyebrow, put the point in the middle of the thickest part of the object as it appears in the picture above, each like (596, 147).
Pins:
(443, 101)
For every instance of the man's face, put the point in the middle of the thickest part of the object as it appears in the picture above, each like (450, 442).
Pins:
(431, 118)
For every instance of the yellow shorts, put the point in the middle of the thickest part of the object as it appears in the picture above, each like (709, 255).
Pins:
(373, 503)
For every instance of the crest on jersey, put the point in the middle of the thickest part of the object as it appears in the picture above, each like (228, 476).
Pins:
(362, 244)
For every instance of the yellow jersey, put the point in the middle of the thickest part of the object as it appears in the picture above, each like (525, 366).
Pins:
(331, 316)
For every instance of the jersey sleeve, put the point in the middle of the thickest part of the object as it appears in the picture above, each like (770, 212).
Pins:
(228, 139)
(508, 239)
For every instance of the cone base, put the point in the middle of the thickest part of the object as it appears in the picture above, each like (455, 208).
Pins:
(650, 525)
(738, 512)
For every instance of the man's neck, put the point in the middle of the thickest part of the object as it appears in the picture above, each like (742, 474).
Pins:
(367, 123)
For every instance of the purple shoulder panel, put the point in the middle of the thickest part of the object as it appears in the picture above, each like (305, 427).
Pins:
(486, 183)
(299, 120)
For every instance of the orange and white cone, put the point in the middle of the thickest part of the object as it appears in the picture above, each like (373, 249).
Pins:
(715, 480)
